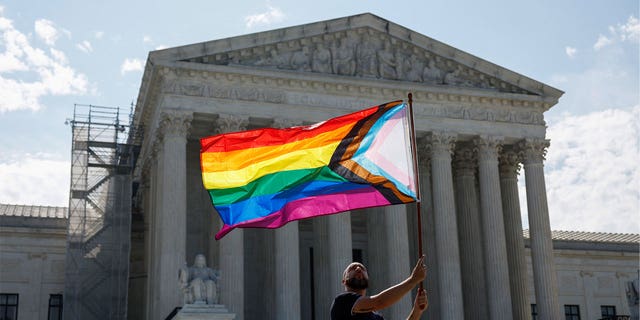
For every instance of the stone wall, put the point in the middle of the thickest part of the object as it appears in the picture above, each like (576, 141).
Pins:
(32, 262)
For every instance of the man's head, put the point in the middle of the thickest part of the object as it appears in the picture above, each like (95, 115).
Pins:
(355, 277)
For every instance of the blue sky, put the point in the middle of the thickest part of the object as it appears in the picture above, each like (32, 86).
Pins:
(57, 53)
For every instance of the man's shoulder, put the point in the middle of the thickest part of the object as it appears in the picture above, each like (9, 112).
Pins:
(342, 305)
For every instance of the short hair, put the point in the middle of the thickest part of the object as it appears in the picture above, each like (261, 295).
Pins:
(344, 273)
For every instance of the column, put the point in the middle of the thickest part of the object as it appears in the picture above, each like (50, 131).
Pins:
(287, 272)
(154, 276)
(377, 259)
(340, 247)
(509, 167)
(332, 252)
(147, 176)
(287, 262)
(172, 209)
(544, 273)
(495, 254)
(449, 282)
(232, 245)
(396, 250)
(232, 272)
(428, 231)
(470, 234)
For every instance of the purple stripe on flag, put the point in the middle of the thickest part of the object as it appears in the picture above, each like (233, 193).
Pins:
(309, 207)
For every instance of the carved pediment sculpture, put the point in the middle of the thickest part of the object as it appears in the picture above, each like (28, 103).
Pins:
(361, 52)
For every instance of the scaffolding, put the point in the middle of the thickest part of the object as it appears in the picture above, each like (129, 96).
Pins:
(103, 152)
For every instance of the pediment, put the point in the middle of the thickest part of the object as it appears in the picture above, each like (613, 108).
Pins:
(363, 46)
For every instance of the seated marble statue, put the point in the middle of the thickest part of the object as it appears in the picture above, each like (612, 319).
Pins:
(199, 282)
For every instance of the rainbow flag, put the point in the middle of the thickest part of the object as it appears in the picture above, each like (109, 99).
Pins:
(266, 178)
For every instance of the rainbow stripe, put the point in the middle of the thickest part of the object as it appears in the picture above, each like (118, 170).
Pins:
(267, 177)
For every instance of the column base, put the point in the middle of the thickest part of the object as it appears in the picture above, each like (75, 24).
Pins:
(204, 312)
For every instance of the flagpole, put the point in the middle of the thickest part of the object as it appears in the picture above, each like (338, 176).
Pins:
(414, 149)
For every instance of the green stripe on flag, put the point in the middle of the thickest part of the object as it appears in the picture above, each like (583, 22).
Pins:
(273, 183)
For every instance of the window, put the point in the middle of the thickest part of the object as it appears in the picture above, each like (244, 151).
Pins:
(8, 306)
(608, 312)
(55, 307)
(534, 312)
(571, 312)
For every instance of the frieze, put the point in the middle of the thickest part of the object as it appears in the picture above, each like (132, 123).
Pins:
(202, 89)
(363, 53)
(463, 107)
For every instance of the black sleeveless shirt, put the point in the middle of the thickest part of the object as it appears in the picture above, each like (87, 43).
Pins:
(342, 305)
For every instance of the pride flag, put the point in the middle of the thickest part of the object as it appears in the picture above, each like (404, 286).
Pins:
(266, 178)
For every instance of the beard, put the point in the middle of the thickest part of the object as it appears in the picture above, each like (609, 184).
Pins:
(357, 284)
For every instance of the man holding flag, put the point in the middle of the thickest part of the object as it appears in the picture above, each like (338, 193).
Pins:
(265, 178)
(355, 304)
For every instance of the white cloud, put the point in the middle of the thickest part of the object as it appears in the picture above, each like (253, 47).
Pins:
(34, 179)
(592, 171)
(272, 15)
(629, 31)
(570, 51)
(602, 42)
(98, 34)
(147, 39)
(49, 72)
(46, 30)
(160, 47)
(611, 78)
(85, 46)
(58, 56)
(130, 65)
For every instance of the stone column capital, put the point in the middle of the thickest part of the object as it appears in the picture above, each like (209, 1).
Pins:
(533, 150)
(231, 123)
(442, 143)
(174, 123)
(488, 147)
(509, 162)
(465, 160)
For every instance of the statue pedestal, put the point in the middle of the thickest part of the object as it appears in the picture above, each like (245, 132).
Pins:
(201, 311)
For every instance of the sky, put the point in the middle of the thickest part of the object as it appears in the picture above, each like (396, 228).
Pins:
(54, 54)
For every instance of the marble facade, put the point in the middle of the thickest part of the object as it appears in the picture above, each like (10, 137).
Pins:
(476, 123)
(33, 243)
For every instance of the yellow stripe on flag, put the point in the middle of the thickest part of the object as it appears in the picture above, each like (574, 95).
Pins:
(301, 159)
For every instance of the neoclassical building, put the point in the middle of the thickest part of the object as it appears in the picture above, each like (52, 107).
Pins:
(480, 127)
